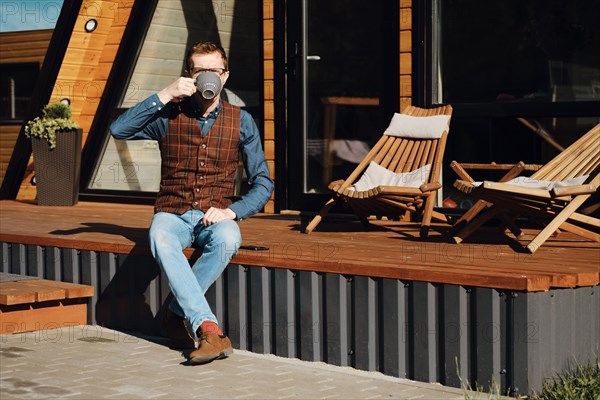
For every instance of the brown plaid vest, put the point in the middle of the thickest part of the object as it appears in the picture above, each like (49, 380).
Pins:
(197, 171)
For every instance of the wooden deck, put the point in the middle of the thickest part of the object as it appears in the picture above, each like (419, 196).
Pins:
(429, 303)
(388, 250)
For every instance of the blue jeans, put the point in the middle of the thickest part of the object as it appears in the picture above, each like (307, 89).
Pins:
(170, 234)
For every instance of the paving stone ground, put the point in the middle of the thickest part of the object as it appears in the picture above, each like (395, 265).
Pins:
(91, 362)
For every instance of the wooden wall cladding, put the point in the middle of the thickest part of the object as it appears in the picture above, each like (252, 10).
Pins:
(405, 52)
(86, 67)
(269, 98)
(24, 46)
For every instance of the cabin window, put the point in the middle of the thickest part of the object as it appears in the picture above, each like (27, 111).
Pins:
(17, 82)
(514, 50)
(134, 166)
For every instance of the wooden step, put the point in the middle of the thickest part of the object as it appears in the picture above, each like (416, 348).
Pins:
(38, 304)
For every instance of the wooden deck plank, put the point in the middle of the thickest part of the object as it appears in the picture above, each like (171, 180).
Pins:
(389, 250)
(42, 292)
(40, 316)
(12, 293)
(71, 290)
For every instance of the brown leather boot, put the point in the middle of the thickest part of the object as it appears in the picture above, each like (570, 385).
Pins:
(212, 346)
(175, 329)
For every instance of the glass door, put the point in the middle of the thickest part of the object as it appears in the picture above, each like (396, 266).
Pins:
(341, 90)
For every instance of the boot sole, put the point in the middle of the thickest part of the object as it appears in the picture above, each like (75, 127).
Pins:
(211, 357)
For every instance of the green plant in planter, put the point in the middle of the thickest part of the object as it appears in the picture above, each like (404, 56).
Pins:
(56, 117)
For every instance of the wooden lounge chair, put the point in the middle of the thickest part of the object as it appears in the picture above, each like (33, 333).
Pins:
(551, 195)
(409, 154)
(513, 170)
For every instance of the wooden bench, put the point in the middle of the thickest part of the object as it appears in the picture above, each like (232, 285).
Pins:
(37, 304)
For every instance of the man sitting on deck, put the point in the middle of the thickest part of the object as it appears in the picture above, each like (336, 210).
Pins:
(200, 141)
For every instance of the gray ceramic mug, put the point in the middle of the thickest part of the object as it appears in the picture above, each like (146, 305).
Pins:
(208, 84)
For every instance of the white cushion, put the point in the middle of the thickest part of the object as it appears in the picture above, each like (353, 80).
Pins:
(530, 183)
(376, 175)
(580, 180)
(408, 126)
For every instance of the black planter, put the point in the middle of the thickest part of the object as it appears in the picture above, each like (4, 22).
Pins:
(57, 171)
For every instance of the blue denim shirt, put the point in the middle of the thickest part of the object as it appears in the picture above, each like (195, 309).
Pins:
(149, 120)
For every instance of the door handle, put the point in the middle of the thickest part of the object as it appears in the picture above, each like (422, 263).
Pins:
(313, 58)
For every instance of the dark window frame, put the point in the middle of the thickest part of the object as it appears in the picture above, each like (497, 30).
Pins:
(19, 66)
(423, 20)
(125, 60)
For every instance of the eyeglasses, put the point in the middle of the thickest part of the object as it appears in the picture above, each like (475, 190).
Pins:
(218, 71)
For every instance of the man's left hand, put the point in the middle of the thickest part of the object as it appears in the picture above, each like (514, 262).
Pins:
(214, 215)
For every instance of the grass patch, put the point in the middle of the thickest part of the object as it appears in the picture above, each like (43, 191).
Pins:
(479, 392)
(579, 382)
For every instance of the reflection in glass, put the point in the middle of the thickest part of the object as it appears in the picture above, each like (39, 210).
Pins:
(175, 25)
(513, 50)
(344, 57)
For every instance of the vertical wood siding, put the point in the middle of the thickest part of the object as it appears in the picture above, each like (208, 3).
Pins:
(405, 53)
(269, 92)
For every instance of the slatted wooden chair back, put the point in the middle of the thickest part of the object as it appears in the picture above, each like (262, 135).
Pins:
(557, 205)
(399, 154)
(580, 158)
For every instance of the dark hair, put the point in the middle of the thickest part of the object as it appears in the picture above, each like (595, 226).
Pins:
(204, 48)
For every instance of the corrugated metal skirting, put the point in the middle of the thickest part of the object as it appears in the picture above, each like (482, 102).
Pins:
(416, 330)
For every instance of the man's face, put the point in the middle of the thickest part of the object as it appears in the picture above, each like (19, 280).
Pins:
(211, 61)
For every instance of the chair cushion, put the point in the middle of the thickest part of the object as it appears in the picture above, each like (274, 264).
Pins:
(528, 182)
(376, 175)
(408, 126)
